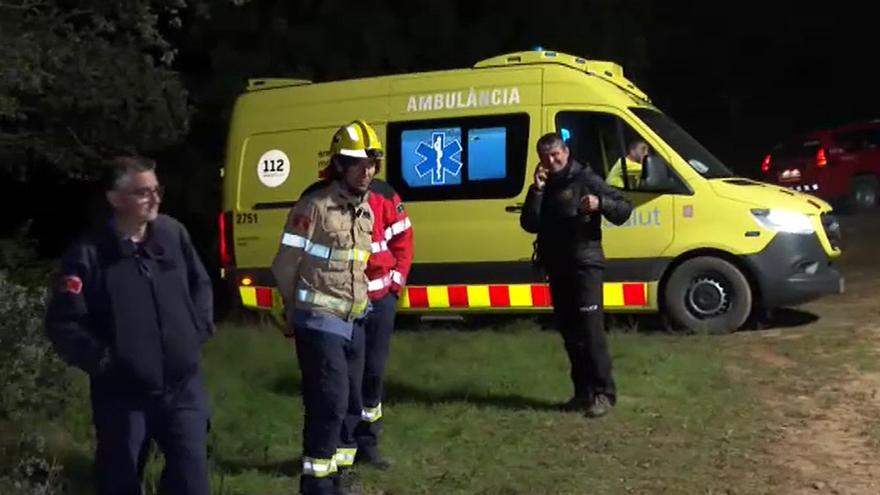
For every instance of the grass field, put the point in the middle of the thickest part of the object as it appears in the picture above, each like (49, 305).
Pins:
(791, 410)
(473, 412)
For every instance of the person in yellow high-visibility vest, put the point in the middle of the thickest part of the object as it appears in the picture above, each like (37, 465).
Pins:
(636, 152)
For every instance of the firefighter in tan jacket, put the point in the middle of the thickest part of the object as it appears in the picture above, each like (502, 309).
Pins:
(320, 272)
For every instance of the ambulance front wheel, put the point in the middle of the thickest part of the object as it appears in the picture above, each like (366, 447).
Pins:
(708, 294)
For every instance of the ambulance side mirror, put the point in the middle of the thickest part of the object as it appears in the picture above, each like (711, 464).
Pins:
(655, 175)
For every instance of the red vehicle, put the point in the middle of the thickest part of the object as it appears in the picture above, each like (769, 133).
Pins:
(840, 165)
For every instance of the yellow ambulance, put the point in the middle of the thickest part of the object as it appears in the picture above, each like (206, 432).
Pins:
(702, 245)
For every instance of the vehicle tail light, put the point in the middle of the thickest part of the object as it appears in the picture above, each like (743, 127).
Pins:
(765, 165)
(821, 158)
(227, 256)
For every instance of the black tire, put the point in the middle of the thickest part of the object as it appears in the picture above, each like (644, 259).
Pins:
(863, 193)
(708, 294)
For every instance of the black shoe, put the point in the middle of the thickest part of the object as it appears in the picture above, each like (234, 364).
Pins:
(576, 403)
(600, 407)
(372, 457)
(345, 483)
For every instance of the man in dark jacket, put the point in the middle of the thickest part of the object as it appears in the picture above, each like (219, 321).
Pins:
(132, 307)
(564, 207)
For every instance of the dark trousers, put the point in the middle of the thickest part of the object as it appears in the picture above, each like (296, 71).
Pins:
(126, 423)
(332, 369)
(379, 327)
(578, 308)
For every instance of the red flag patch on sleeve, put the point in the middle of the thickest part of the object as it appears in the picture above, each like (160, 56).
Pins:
(71, 284)
(300, 223)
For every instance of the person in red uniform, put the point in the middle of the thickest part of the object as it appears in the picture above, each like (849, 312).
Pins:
(387, 270)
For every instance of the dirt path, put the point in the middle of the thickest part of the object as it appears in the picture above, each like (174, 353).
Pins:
(830, 449)
(829, 438)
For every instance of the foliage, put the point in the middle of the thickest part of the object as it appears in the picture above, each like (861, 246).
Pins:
(34, 378)
(80, 78)
(33, 471)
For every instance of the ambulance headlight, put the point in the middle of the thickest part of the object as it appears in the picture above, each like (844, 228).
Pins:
(784, 221)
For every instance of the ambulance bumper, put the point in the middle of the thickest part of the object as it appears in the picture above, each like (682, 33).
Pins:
(794, 269)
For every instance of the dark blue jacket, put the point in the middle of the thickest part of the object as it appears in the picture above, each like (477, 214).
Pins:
(132, 315)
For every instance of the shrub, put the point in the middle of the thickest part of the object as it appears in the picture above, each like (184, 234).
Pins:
(32, 472)
(35, 381)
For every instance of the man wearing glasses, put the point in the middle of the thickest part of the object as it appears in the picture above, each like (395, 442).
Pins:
(132, 307)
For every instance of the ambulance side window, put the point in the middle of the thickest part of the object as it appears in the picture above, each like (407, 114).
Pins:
(462, 158)
(591, 138)
(611, 147)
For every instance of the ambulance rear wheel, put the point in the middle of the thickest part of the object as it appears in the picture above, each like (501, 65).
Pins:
(708, 294)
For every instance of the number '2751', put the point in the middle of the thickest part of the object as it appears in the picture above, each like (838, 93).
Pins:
(245, 218)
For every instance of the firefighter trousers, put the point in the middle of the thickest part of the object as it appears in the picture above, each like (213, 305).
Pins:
(127, 422)
(332, 371)
(379, 327)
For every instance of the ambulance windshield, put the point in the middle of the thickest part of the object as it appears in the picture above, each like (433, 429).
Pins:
(698, 157)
